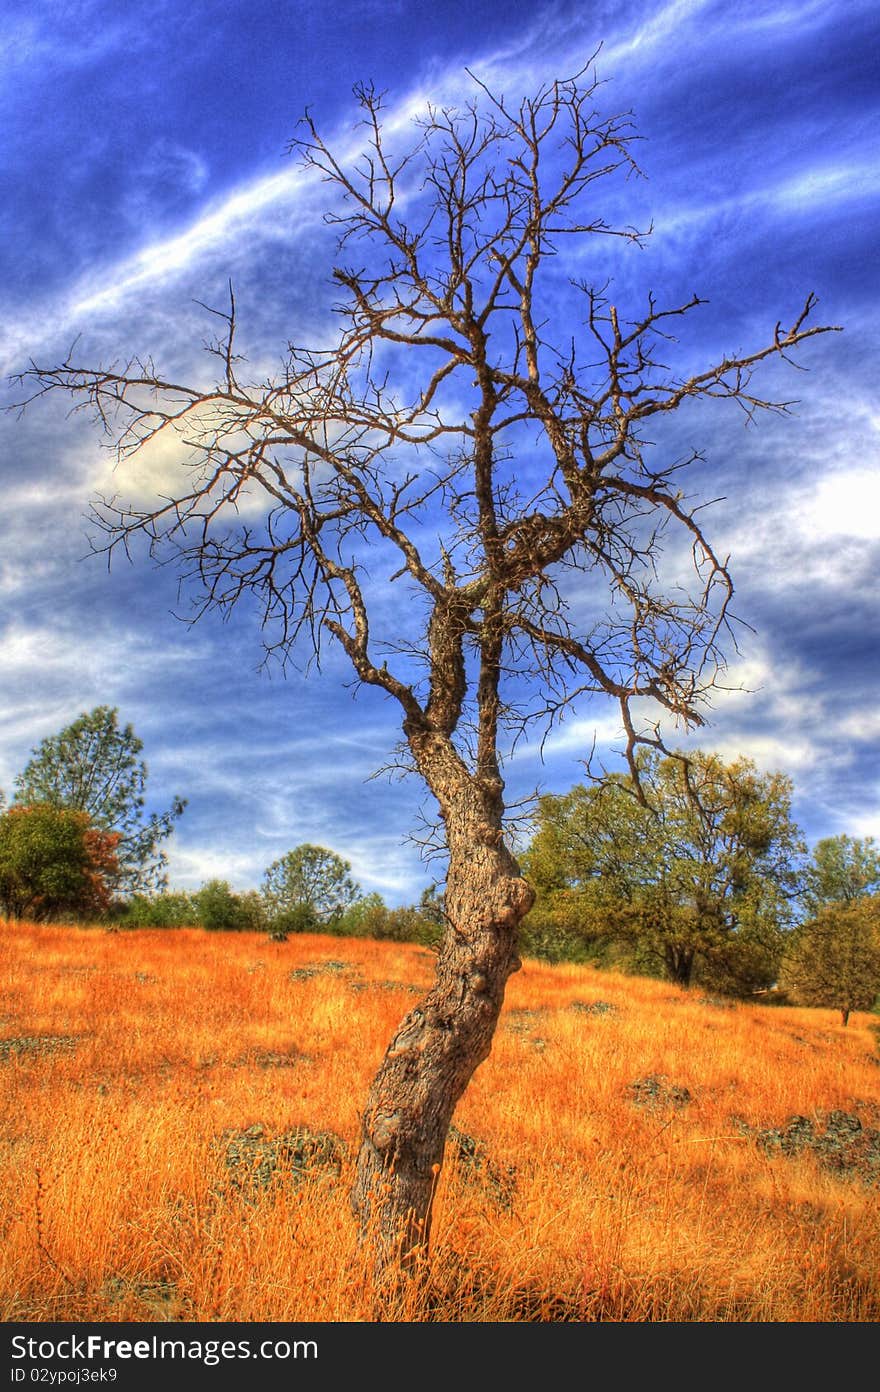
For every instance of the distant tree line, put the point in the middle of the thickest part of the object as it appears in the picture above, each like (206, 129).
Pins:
(309, 890)
(79, 843)
(686, 867)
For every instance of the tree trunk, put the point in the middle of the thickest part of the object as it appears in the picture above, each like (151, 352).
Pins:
(679, 963)
(844, 1015)
(442, 1041)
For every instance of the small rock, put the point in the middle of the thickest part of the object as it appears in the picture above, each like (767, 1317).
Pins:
(655, 1092)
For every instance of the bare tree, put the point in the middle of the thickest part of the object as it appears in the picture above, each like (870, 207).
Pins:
(512, 485)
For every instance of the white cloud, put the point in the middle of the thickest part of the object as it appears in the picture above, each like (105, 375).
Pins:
(52, 671)
(18, 574)
(826, 185)
(175, 460)
(867, 825)
(862, 727)
(654, 32)
(377, 864)
(41, 649)
(237, 216)
(816, 187)
(787, 754)
(227, 222)
(575, 737)
(816, 526)
(845, 503)
(39, 41)
(190, 867)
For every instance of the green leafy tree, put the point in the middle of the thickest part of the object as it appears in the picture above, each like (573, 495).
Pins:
(698, 878)
(842, 870)
(833, 959)
(432, 906)
(410, 923)
(308, 889)
(93, 766)
(361, 918)
(54, 862)
(220, 909)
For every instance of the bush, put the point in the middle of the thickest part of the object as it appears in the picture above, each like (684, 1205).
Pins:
(363, 918)
(833, 959)
(220, 909)
(53, 863)
(370, 917)
(215, 906)
(174, 909)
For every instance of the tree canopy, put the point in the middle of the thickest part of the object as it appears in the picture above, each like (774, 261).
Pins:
(841, 870)
(834, 958)
(93, 766)
(700, 875)
(307, 889)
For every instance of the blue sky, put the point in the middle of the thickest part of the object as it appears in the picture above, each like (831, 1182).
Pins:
(144, 164)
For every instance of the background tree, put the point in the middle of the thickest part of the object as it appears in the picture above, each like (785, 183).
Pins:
(842, 870)
(834, 958)
(364, 917)
(93, 766)
(220, 909)
(53, 862)
(307, 890)
(698, 879)
(478, 430)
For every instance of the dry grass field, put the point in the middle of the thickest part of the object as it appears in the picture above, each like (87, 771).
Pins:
(180, 1117)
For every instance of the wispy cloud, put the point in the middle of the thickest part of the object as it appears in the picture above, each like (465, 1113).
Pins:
(68, 36)
(657, 31)
(814, 189)
(230, 221)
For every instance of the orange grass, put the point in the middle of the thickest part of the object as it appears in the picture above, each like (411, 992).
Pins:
(116, 1202)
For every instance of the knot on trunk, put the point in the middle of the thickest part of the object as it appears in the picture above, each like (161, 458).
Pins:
(517, 899)
(385, 1130)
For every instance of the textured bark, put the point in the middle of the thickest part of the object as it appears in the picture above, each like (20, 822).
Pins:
(442, 1041)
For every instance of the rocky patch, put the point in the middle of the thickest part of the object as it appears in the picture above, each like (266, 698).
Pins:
(31, 1044)
(269, 1058)
(312, 969)
(840, 1143)
(656, 1093)
(476, 1167)
(257, 1161)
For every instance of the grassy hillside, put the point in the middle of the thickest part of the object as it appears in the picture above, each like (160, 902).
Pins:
(181, 1120)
